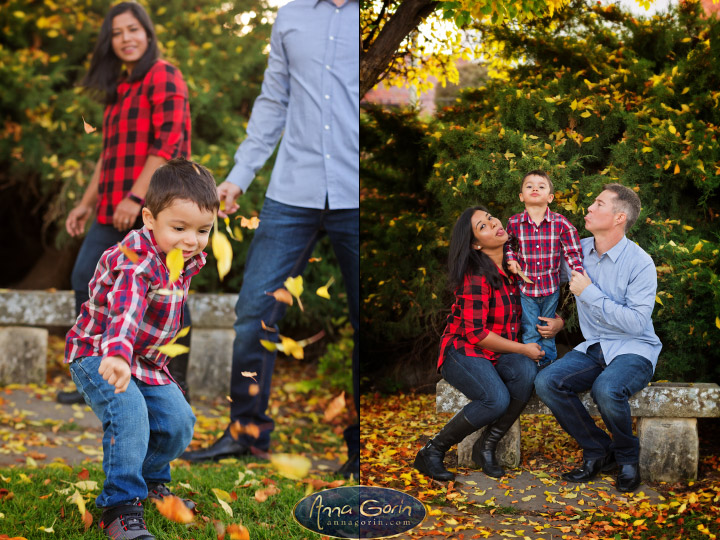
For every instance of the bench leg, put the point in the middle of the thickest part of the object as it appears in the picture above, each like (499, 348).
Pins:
(23, 355)
(210, 362)
(668, 449)
(508, 450)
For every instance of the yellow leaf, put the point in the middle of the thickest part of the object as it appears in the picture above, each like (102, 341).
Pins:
(587, 139)
(672, 129)
(225, 506)
(222, 495)
(687, 227)
(295, 286)
(291, 466)
(181, 334)
(291, 348)
(223, 253)
(172, 349)
(175, 264)
(269, 345)
(622, 515)
(646, 150)
(586, 114)
(76, 498)
(657, 299)
(717, 322)
(323, 291)
(574, 104)
(677, 169)
(685, 90)
(638, 522)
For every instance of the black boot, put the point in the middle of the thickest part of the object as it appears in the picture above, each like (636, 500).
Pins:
(483, 453)
(178, 366)
(429, 459)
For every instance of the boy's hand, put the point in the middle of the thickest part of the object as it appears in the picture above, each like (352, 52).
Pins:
(578, 282)
(533, 351)
(513, 266)
(116, 371)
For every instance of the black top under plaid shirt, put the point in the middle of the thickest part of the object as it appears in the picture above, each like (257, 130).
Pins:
(542, 248)
(478, 310)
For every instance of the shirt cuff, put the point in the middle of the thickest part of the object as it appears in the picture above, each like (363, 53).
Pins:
(475, 337)
(241, 177)
(591, 295)
(121, 349)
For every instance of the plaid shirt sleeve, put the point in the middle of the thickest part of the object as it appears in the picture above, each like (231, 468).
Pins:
(472, 301)
(570, 242)
(170, 112)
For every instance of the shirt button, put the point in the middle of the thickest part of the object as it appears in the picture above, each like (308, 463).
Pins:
(538, 262)
(327, 156)
(327, 67)
(332, 38)
(327, 96)
(537, 247)
(327, 127)
(337, 11)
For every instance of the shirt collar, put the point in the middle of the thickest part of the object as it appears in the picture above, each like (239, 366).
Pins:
(615, 251)
(548, 216)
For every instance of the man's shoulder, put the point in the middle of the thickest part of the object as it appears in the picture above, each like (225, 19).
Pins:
(637, 253)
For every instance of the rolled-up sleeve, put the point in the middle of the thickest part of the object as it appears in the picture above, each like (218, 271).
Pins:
(169, 101)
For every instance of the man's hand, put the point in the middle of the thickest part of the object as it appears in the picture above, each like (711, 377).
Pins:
(116, 371)
(513, 266)
(551, 327)
(578, 282)
(228, 192)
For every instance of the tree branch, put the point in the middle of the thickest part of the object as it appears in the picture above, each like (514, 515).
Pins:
(376, 59)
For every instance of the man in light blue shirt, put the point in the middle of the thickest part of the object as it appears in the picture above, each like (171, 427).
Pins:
(615, 299)
(310, 97)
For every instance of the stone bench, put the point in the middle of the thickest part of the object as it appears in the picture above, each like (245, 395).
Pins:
(666, 414)
(26, 315)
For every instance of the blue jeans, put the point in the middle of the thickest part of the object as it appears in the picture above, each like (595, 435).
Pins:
(145, 428)
(532, 308)
(280, 248)
(489, 387)
(611, 387)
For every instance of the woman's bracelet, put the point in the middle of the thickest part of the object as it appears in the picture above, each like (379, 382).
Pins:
(134, 198)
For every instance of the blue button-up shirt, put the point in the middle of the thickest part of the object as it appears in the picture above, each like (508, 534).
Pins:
(616, 309)
(311, 91)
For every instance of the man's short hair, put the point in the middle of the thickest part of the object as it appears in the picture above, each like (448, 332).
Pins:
(542, 174)
(180, 178)
(627, 202)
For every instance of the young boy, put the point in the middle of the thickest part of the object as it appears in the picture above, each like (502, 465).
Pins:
(112, 349)
(544, 238)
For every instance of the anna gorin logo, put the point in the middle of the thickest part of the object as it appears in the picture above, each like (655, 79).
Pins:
(359, 512)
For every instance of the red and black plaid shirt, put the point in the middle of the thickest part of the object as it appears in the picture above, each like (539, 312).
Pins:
(542, 248)
(150, 117)
(478, 310)
(133, 308)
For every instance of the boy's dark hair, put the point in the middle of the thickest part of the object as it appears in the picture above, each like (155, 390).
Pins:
(541, 174)
(105, 67)
(180, 178)
(627, 202)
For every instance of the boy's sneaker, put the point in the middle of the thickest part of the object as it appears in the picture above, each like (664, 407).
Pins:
(125, 522)
(160, 491)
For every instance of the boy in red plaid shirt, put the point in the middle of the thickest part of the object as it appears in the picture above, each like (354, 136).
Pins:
(544, 239)
(135, 307)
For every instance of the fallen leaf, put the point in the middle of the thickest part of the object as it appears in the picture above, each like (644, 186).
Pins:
(223, 253)
(281, 295)
(175, 263)
(335, 407)
(237, 532)
(261, 495)
(173, 349)
(295, 286)
(174, 509)
(323, 291)
(250, 374)
(291, 466)
(251, 223)
(88, 128)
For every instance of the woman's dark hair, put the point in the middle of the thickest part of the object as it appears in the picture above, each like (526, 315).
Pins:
(105, 67)
(464, 259)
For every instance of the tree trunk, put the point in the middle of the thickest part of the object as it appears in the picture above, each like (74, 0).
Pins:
(376, 59)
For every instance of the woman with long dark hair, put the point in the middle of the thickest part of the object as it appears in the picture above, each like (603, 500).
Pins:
(480, 354)
(145, 124)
